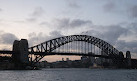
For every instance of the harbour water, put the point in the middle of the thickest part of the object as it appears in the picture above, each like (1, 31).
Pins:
(69, 74)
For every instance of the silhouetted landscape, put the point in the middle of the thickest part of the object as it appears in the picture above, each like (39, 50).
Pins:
(68, 40)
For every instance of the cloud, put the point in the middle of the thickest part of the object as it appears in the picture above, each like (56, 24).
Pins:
(110, 34)
(56, 34)
(130, 43)
(114, 32)
(127, 46)
(133, 11)
(7, 38)
(132, 27)
(35, 39)
(73, 4)
(68, 23)
(109, 6)
(38, 12)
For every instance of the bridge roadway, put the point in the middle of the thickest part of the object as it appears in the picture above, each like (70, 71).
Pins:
(62, 53)
(56, 53)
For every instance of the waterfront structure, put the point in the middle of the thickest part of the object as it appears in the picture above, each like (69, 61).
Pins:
(81, 45)
(20, 53)
(128, 59)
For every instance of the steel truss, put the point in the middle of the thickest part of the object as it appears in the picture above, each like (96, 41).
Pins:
(50, 45)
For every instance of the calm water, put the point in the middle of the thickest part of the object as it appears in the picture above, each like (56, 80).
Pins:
(69, 75)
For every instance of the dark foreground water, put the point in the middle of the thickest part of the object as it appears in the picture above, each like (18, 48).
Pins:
(69, 74)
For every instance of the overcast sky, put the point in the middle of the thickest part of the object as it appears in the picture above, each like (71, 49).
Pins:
(114, 21)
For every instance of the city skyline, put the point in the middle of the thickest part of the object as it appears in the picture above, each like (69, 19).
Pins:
(42, 20)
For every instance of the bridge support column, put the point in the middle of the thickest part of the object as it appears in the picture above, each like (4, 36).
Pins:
(128, 59)
(121, 60)
(20, 55)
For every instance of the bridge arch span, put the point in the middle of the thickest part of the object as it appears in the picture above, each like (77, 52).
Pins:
(50, 45)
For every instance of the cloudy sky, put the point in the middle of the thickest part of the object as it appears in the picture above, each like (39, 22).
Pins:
(114, 21)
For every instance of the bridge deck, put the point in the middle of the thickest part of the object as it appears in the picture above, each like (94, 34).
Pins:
(56, 53)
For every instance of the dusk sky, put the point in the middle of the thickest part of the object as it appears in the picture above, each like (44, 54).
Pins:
(114, 21)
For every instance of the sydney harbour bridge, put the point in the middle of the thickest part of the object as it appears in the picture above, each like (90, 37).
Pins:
(78, 45)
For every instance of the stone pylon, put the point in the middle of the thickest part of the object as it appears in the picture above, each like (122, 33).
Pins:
(20, 55)
(121, 60)
(128, 59)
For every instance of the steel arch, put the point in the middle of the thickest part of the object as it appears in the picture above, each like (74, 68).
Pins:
(50, 45)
